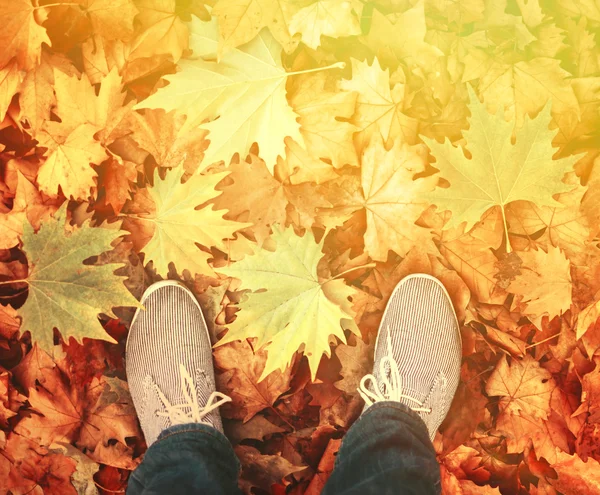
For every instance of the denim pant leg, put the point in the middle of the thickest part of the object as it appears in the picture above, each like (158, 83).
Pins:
(387, 451)
(187, 459)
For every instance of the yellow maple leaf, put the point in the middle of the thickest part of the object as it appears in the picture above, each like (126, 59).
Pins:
(499, 172)
(69, 161)
(523, 386)
(333, 18)
(326, 136)
(21, 35)
(297, 309)
(178, 226)
(245, 90)
(544, 285)
(162, 30)
(111, 19)
(10, 79)
(379, 109)
(241, 20)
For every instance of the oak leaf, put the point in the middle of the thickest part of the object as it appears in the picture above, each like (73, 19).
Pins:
(297, 309)
(178, 225)
(245, 89)
(63, 292)
(521, 171)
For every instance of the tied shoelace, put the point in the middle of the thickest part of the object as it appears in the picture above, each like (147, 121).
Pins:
(189, 411)
(391, 385)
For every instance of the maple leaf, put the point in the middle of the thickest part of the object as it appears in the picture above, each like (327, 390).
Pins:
(379, 109)
(324, 127)
(162, 30)
(521, 171)
(178, 226)
(10, 79)
(245, 89)
(523, 386)
(164, 137)
(565, 227)
(263, 205)
(68, 165)
(63, 292)
(22, 34)
(296, 309)
(262, 471)
(544, 284)
(111, 19)
(356, 361)
(333, 18)
(575, 476)
(401, 36)
(391, 197)
(242, 367)
(241, 20)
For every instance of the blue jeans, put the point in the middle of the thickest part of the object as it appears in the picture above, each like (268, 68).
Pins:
(386, 451)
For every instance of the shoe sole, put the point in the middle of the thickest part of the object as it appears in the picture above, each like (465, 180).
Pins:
(159, 285)
(410, 277)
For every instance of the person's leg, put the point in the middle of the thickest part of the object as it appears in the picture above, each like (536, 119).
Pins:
(171, 379)
(415, 375)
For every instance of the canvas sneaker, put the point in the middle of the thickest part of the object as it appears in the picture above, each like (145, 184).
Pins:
(417, 352)
(168, 360)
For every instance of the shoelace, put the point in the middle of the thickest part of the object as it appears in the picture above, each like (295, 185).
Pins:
(178, 414)
(393, 387)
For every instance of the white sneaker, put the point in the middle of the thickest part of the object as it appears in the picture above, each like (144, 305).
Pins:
(169, 362)
(418, 351)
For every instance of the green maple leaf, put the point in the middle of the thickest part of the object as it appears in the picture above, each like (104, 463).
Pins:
(63, 292)
(178, 226)
(297, 307)
(245, 89)
(499, 172)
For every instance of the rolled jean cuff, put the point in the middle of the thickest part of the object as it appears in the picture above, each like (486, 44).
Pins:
(403, 413)
(188, 458)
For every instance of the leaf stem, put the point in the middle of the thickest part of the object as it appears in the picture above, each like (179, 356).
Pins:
(368, 265)
(337, 65)
(59, 4)
(508, 246)
(542, 341)
(8, 282)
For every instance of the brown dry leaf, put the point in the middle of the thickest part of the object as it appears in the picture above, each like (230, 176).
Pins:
(242, 367)
(357, 361)
(523, 386)
(256, 428)
(117, 178)
(262, 471)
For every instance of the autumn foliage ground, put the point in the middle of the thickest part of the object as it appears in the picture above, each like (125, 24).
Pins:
(291, 161)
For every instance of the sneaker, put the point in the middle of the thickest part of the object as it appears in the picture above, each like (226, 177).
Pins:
(169, 362)
(418, 351)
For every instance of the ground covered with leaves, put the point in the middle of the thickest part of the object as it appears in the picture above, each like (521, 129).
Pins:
(291, 161)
